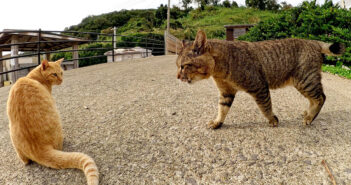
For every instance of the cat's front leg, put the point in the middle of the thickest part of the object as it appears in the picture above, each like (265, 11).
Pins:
(225, 102)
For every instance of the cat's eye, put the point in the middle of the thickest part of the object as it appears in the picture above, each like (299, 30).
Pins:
(196, 52)
(54, 74)
(181, 67)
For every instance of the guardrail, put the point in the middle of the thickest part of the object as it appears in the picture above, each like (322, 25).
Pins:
(41, 44)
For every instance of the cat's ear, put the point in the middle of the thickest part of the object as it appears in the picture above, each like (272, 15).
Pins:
(60, 61)
(44, 64)
(200, 41)
(184, 44)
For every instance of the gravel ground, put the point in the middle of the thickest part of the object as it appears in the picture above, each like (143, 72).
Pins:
(142, 126)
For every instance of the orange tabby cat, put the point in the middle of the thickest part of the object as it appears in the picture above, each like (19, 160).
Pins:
(35, 126)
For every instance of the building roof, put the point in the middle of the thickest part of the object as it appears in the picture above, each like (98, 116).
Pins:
(239, 26)
(59, 41)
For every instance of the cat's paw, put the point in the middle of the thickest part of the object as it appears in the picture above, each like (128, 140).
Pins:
(274, 122)
(307, 120)
(214, 125)
(27, 162)
(305, 113)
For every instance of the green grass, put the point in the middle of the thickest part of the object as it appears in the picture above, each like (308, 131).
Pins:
(213, 19)
(337, 70)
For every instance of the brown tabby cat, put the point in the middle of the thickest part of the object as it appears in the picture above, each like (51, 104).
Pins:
(256, 67)
(35, 126)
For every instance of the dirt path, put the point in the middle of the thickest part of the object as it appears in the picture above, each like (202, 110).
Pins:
(142, 126)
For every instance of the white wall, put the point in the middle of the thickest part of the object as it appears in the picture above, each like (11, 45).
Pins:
(126, 56)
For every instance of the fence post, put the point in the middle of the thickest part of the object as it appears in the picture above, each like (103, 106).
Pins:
(165, 38)
(115, 36)
(176, 47)
(38, 50)
(14, 61)
(47, 55)
(147, 52)
(152, 46)
(1, 70)
(75, 56)
(113, 46)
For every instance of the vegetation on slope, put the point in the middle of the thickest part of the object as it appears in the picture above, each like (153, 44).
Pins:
(212, 19)
(184, 23)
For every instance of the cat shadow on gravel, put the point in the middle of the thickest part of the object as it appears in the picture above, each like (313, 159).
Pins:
(326, 121)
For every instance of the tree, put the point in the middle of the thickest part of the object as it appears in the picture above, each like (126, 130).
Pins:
(226, 3)
(263, 4)
(160, 15)
(285, 6)
(186, 4)
(202, 3)
(214, 2)
(272, 5)
(260, 4)
(235, 4)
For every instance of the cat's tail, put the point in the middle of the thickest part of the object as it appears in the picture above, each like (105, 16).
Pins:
(332, 49)
(59, 160)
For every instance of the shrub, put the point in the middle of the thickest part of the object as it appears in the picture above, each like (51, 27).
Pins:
(139, 39)
(325, 22)
(88, 53)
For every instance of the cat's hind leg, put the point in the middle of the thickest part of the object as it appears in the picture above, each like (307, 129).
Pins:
(59, 142)
(311, 87)
(23, 158)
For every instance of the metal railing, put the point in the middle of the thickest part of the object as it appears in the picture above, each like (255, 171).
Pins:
(149, 42)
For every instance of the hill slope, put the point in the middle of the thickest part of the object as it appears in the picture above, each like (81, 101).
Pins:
(213, 19)
(184, 24)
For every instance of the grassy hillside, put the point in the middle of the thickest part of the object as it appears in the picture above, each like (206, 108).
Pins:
(152, 23)
(213, 19)
(184, 24)
(124, 20)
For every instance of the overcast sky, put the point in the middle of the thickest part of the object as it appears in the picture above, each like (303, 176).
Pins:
(58, 14)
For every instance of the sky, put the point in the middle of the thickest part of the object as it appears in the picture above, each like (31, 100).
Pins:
(58, 14)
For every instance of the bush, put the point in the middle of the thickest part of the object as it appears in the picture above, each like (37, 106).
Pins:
(139, 39)
(226, 4)
(263, 4)
(325, 22)
(93, 61)
(88, 53)
(235, 4)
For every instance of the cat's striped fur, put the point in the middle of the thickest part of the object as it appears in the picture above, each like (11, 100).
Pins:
(35, 125)
(256, 67)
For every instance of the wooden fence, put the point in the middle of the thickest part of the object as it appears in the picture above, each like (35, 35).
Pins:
(172, 44)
